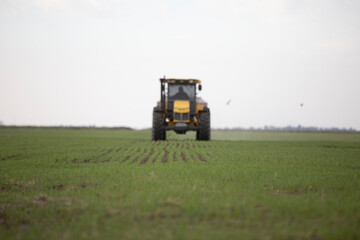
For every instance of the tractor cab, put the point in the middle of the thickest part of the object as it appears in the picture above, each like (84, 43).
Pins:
(181, 101)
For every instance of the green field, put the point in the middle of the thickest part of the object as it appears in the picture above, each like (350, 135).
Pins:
(117, 184)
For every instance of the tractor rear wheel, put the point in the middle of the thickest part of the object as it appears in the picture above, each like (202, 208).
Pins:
(203, 133)
(158, 130)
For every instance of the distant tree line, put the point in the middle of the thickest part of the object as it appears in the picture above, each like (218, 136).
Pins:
(67, 126)
(311, 128)
(294, 128)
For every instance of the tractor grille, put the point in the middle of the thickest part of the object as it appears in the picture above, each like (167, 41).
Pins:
(181, 116)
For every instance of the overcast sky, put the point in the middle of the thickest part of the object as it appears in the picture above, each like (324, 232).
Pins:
(92, 62)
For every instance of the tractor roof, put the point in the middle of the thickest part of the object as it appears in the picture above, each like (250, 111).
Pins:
(178, 80)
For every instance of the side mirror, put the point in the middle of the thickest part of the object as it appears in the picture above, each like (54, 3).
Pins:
(200, 87)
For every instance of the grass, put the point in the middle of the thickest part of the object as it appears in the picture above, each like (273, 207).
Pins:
(117, 184)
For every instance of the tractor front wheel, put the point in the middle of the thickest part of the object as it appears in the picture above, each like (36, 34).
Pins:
(203, 133)
(158, 130)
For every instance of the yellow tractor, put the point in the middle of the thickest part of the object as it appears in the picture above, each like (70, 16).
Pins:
(179, 109)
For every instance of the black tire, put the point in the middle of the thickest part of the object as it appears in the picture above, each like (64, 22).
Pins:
(158, 130)
(204, 132)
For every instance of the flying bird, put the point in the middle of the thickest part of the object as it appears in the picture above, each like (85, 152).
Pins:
(301, 104)
(228, 102)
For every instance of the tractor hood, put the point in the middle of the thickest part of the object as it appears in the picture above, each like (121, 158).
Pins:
(181, 106)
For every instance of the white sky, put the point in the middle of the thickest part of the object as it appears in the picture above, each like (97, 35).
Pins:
(92, 62)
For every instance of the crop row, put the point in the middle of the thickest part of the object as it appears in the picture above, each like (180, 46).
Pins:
(142, 152)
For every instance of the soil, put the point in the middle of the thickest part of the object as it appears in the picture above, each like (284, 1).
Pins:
(183, 157)
(89, 159)
(135, 160)
(127, 158)
(4, 220)
(8, 157)
(58, 187)
(157, 155)
(201, 157)
(147, 157)
(86, 160)
(166, 156)
(41, 200)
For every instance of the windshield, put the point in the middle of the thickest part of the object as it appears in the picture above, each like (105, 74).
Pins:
(181, 92)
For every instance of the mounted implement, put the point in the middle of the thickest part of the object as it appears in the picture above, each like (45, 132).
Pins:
(179, 109)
